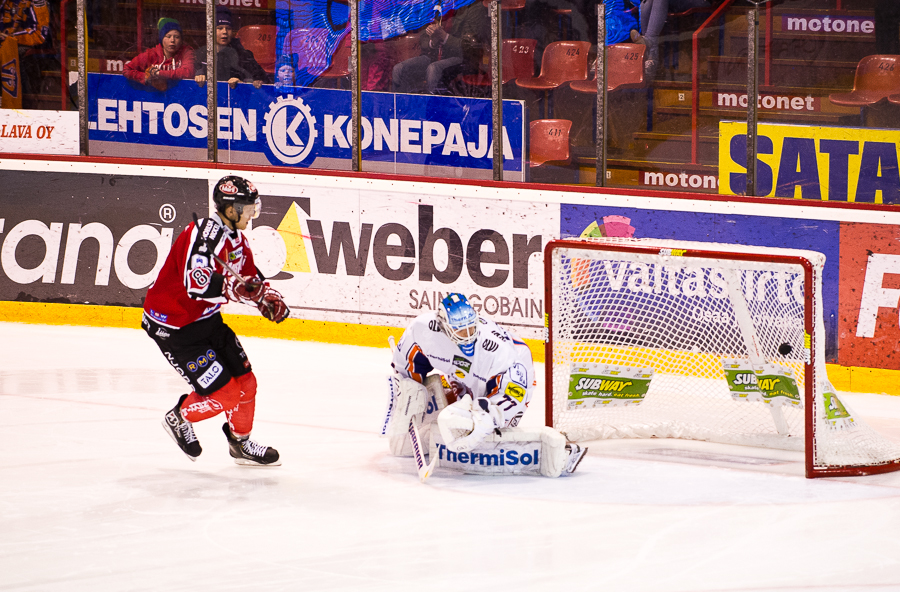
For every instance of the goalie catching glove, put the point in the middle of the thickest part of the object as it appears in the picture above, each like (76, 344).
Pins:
(250, 290)
(466, 423)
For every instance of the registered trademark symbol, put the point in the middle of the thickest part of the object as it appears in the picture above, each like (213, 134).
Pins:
(167, 213)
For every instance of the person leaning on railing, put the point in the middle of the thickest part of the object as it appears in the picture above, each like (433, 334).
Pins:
(167, 62)
(228, 63)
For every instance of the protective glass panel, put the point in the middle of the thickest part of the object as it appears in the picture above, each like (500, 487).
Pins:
(663, 129)
(428, 110)
(550, 46)
(142, 98)
(829, 106)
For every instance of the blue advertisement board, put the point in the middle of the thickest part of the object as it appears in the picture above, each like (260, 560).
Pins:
(295, 126)
(815, 235)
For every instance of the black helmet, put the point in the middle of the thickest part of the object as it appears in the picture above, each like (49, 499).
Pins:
(235, 191)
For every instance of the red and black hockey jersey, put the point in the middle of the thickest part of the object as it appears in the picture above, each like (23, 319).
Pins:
(189, 285)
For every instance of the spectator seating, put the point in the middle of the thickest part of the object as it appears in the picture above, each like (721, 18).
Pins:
(877, 77)
(260, 39)
(309, 45)
(517, 60)
(624, 69)
(549, 142)
(340, 62)
(563, 61)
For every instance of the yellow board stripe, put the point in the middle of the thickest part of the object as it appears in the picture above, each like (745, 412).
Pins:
(245, 325)
(844, 378)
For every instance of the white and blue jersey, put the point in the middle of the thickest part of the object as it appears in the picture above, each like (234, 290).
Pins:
(500, 368)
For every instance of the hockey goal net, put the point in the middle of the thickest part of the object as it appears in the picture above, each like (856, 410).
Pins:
(704, 341)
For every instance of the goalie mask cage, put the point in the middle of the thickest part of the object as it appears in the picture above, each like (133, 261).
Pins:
(703, 341)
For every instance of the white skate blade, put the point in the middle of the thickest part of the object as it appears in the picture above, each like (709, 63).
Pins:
(244, 462)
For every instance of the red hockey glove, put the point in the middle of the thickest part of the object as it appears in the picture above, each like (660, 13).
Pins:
(272, 305)
(250, 291)
(457, 391)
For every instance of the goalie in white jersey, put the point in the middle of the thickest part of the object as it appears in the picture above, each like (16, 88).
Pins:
(488, 379)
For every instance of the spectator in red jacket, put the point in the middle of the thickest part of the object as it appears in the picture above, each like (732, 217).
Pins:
(169, 61)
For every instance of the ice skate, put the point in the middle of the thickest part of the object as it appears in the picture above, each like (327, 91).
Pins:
(245, 451)
(576, 453)
(182, 431)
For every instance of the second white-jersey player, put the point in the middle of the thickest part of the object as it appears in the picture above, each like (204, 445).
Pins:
(490, 375)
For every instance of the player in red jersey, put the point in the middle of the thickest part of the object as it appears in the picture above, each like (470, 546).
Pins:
(181, 314)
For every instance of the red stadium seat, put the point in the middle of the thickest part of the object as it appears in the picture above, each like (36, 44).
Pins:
(517, 60)
(624, 69)
(549, 142)
(563, 61)
(340, 62)
(877, 77)
(310, 47)
(260, 39)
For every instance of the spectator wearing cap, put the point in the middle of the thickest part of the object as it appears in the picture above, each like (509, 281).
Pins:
(285, 69)
(165, 63)
(246, 59)
(228, 68)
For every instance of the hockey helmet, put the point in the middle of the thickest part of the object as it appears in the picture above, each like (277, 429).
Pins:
(238, 192)
(459, 321)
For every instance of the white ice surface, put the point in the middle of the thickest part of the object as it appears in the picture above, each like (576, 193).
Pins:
(95, 496)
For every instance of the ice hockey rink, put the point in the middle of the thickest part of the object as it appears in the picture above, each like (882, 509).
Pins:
(95, 496)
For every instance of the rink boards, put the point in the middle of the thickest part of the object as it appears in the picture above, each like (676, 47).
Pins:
(357, 257)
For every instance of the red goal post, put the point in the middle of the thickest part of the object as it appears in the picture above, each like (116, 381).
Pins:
(705, 341)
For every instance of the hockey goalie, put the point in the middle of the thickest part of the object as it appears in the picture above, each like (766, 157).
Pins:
(467, 412)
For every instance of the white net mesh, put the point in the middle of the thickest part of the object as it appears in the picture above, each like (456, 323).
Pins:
(712, 347)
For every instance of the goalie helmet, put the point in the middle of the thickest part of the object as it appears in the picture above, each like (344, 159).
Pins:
(238, 192)
(459, 322)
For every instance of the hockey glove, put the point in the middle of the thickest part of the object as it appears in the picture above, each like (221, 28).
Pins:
(248, 291)
(458, 390)
(466, 423)
(272, 305)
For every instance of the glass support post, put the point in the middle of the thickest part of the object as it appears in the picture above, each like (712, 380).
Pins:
(497, 89)
(355, 91)
(752, 94)
(81, 33)
(212, 117)
(601, 96)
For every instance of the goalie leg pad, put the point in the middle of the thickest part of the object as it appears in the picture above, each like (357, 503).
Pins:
(410, 400)
(515, 451)
(437, 399)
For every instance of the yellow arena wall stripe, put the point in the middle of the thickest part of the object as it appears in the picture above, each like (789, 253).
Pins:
(43, 313)
(853, 379)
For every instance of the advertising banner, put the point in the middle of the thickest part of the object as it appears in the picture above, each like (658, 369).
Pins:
(380, 259)
(39, 132)
(870, 295)
(812, 162)
(89, 239)
(307, 127)
(815, 235)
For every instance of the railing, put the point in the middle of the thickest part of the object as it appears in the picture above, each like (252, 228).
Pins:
(695, 81)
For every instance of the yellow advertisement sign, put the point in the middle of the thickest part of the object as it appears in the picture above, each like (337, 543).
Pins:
(812, 162)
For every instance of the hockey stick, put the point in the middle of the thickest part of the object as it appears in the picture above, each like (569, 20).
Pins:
(225, 265)
(424, 470)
